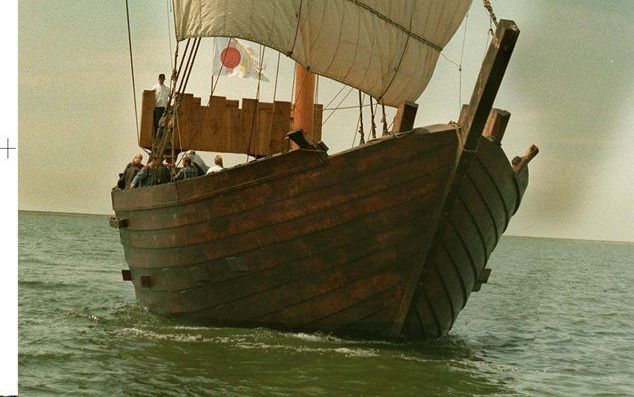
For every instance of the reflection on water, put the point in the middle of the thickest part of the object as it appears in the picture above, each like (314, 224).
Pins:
(545, 315)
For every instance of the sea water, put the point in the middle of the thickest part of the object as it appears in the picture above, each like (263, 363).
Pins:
(555, 319)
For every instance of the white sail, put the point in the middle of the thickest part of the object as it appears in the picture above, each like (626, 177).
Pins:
(386, 48)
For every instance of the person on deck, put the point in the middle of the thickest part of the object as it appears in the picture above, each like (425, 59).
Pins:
(154, 173)
(217, 165)
(130, 171)
(198, 163)
(188, 170)
(162, 93)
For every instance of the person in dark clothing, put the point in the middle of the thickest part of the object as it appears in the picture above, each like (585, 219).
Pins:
(188, 170)
(130, 172)
(154, 173)
(160, 174)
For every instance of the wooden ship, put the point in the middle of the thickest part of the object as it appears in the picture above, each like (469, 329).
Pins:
(386, 240)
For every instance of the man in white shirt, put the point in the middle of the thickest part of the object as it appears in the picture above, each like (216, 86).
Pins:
(162, 93)
(217, 165)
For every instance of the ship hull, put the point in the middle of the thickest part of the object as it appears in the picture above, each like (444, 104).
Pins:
(361, 243)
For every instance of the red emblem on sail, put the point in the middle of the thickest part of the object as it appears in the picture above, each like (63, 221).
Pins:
(230, 57)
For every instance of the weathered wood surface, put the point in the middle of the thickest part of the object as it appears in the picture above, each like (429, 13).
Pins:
(488, 82)
(257, 128)
(405, 117)
(496, 125)
(488, 197)
(470, 211)
(385, 240)
(296, 241)
(303, 241)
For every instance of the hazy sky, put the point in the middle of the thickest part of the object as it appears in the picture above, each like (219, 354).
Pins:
(569, 88)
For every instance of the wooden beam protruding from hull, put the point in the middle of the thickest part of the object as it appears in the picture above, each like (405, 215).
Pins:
(519, 163)
(472, 121)
(496, 125)
(488, 82)
(405, 116)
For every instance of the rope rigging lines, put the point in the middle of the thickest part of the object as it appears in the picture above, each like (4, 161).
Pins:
(136, 111)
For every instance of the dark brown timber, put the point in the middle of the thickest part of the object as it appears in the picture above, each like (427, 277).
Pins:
(405, 116)
(473, 120)
(496, 125)
(386, 240)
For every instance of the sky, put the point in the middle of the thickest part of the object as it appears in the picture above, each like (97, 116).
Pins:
(569, 88)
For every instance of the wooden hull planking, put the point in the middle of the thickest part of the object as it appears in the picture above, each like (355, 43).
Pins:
(304, 241)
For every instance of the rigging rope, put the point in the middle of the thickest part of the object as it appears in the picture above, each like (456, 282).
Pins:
(136, 111)
(489, 8)
(165, 128)
(343, 86)
(345, 107)
(384, 121)
(373, 125)
(169, 35)
(354, 135)
(257, 99)
(464, 41)
(338, 107)
(213, 89)
(277, 71)
(362, 141)
(293, 90)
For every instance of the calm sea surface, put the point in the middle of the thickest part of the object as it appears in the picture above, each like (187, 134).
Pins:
(556, 319)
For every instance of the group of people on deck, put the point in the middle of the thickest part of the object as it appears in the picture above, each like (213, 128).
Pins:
(156, 172)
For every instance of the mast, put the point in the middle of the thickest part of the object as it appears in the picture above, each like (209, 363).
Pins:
(304, 111)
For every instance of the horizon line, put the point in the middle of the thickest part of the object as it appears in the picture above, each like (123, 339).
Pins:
(508, 235)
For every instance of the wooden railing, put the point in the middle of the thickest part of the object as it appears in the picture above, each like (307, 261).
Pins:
(256, 128)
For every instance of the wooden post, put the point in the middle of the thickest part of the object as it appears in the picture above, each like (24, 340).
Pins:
(464, 112)
(472, 121)
(519, 163)
(488, 82)
(496, 125)
(405, 116)
(304, 111)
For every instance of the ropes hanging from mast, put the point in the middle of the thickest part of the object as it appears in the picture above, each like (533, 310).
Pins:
(166, 125)
(339, 107)
(373, 125)
(169, 35)
(277, 71)
(362, 141)
(464, 41)
(213, 89)
(384, 121)
(489, 8)
(136, 111)
(257, 98)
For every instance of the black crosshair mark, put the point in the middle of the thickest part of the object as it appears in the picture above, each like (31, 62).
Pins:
(7, 148)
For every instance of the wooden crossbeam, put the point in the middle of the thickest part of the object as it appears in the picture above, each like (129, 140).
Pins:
(496, 125)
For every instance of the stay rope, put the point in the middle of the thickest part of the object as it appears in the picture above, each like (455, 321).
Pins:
(373, 124)
(489, 8)
(136, 110)
(277, 71)
(169, 35)
(362, 141)
(257, 99)
(214, 83)
(339, 106)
